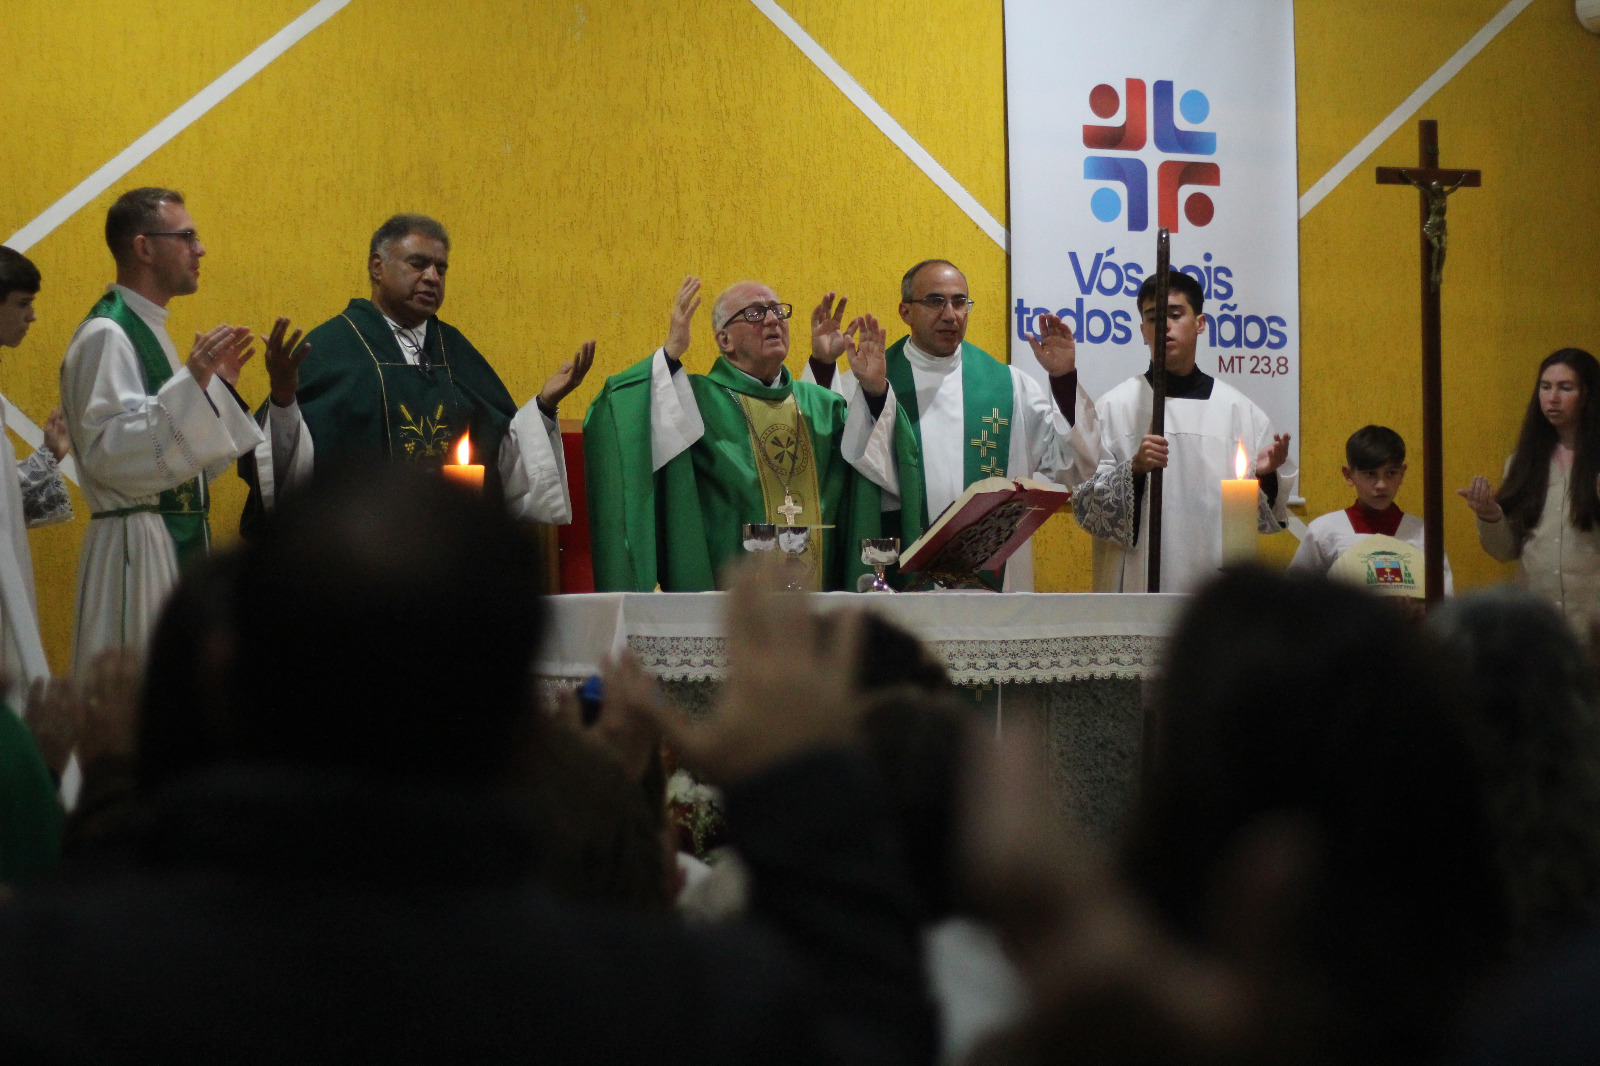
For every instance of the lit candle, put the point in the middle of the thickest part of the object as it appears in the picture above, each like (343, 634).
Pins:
(463, 473)
(1239, 512)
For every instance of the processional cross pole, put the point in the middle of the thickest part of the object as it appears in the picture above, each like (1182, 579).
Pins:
(1434, 184)
(1158, 412)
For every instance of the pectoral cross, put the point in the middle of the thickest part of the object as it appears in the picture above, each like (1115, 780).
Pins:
(790, 509)
(1435, 185)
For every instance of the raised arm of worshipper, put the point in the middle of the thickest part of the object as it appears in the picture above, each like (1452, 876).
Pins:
(44, 492)
(809, 818)
(533, 465)
(134, 444)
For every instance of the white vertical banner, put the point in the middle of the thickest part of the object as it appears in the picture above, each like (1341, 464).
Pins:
(1127, 117)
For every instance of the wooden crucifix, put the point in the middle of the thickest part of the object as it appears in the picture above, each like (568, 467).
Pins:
(1434, 185)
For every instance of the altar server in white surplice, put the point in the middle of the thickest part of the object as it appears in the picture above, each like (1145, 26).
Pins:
(147, 429)
(35, 497)
(1206, 422)
(974, 416)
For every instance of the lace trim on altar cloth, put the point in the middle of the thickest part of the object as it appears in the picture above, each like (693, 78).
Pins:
(970, 662)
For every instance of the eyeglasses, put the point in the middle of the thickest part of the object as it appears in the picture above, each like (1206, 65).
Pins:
(189, 236)
(935, 303)
(758, 313)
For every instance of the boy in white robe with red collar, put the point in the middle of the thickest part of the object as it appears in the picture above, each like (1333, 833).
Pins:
(1376, 467)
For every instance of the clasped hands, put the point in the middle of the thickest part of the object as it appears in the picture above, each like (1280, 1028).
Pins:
(225, 349)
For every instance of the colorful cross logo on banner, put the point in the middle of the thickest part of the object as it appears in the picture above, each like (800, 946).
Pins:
(1172, 175)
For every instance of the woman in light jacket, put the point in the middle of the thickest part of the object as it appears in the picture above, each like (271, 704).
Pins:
(1547, 512)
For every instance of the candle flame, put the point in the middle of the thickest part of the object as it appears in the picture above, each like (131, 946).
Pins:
(464, 451)
(1241, 462)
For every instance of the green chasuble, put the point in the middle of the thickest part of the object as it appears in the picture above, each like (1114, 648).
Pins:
(362, 400)
(677, 527)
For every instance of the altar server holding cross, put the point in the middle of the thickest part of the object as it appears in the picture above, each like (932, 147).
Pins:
(1206, 422)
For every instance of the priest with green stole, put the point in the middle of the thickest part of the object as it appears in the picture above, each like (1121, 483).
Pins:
(975, 417)
(677, 462)
(387, 379)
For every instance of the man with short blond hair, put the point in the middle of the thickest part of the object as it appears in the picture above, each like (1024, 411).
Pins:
(149, 430)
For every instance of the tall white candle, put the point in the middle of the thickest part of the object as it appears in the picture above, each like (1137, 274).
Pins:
(1239, 497)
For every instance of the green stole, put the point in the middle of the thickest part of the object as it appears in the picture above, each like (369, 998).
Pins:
(183, 508)
(985, 399)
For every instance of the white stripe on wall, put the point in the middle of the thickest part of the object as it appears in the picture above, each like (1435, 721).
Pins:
(884, 121)
(140, 150)
(1410, 106)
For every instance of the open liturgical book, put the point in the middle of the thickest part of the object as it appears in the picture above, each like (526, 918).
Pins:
(985, 524)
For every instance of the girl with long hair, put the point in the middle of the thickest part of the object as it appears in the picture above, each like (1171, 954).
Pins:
(1547, 512)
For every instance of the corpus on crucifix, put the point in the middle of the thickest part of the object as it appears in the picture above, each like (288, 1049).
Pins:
(1434, 184)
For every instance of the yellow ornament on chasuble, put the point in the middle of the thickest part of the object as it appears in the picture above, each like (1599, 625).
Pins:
(788, 472)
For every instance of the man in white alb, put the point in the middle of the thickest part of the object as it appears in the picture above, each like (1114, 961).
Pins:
(148, 429)
(973, 416)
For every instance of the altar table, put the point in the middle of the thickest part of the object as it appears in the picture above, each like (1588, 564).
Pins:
(1073, 662)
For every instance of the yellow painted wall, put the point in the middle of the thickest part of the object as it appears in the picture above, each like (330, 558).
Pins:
(587, 155)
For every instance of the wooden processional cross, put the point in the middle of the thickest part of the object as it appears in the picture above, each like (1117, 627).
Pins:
(1435, 186)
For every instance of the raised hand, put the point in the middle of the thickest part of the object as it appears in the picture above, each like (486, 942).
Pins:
(683, 309)
(628, 710)
(111, 705)
(828, 340)
(1273, 455)
(866, 356)
(55, 718)
(780, 698)
(283, 362)
(219, 351)
(1053, 346)
(1480, 497)
(568, 377)
(56, 437)
(1152, 454)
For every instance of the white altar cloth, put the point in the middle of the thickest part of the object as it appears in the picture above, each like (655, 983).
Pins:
(983, 637)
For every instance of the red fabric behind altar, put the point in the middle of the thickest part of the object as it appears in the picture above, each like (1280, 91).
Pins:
(572, 541)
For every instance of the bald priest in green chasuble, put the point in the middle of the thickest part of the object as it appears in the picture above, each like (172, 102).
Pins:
(676, 462)
(387, 380)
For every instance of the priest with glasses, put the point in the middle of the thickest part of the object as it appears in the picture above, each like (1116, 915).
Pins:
(678, 462)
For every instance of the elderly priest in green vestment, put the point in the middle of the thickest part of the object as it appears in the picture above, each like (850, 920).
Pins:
(677, 462)
(387, 378)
